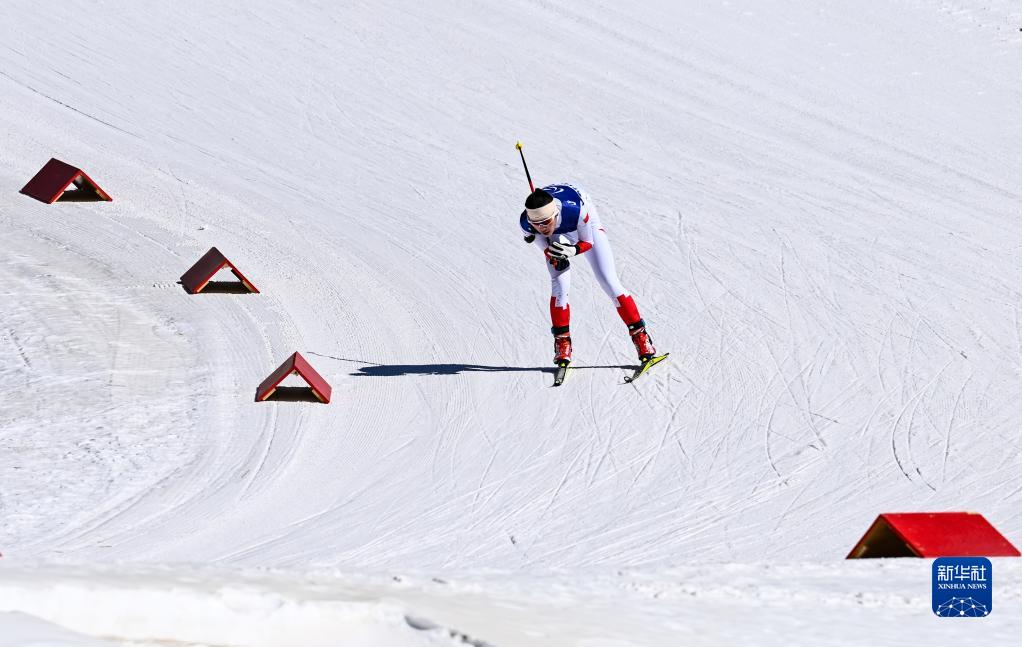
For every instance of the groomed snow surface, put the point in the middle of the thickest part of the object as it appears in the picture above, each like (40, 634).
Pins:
(815, 205)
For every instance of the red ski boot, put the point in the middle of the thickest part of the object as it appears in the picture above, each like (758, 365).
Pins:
(562, 348)
(643, 343)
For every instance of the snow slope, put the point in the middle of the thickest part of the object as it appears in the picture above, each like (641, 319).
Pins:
(866, 602)
(815, 205)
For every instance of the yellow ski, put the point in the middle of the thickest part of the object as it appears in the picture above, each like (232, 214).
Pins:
(645, 366)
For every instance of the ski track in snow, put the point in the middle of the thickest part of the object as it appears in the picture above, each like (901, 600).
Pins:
(820, 228)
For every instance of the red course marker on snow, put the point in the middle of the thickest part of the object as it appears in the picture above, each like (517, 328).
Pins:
(51, 184)
(295, 364)
(198, 276)
(932, 534)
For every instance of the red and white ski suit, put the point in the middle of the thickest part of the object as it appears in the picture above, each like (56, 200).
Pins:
(580, 224)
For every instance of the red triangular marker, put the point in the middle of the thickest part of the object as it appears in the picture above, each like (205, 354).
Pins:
(52, 181)
(932, 534)
(295, 364)
(198, 276)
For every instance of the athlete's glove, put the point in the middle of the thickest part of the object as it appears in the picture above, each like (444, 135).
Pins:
(529, 238)
(561, 251)
(560, 264)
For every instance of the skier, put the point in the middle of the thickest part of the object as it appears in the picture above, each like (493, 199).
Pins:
(561, 219)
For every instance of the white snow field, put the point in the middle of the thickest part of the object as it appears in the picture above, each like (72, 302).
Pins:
(816, 205)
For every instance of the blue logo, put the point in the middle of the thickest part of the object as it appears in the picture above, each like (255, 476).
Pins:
(962, 587)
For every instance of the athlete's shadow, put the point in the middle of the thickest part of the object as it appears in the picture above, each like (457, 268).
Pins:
(393, 370)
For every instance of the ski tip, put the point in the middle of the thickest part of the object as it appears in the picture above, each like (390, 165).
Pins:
(644, 366)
